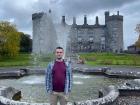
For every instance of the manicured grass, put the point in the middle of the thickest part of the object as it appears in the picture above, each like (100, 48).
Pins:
(111, 59)
(24, 59)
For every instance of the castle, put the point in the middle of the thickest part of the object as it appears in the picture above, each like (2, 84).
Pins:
(81, 38)
(100, 38)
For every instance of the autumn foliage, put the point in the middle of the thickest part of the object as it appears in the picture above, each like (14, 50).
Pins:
(9, 39)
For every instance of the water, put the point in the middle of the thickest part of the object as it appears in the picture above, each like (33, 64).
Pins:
(84, 87)
(62, 35)
(47, 34)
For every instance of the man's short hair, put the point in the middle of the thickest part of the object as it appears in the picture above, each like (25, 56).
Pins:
(59, 48)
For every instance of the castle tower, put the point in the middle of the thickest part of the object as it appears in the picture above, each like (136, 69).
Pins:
(43, 33)
(106, 16)
(114, 32)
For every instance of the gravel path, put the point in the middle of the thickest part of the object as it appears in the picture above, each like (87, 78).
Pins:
(128, 100)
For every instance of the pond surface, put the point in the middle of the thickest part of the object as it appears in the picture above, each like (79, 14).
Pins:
(84, 87)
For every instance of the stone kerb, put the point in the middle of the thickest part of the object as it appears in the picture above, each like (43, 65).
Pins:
(122, 74)
(130, 88)
(6, 100)
(33, 71)
(96, 71)
(106, 71)
(107, 99)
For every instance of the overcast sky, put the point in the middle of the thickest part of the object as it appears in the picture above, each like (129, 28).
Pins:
(20, 12)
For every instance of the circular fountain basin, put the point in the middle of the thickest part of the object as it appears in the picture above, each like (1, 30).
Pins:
(84, 87)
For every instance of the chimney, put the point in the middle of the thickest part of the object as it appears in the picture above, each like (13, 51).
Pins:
(85, 20)
(50, 11)
(106, 16)
(74, 20)
(118, 13)
(63, 20)
(97, 21)
(106, 13)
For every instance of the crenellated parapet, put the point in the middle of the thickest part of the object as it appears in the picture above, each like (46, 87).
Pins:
(37, 15)
(114, 17)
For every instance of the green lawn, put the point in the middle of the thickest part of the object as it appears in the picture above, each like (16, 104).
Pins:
(23, 59)
(111, 59)
(26, 59)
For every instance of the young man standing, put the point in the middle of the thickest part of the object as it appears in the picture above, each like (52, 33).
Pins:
(59, 78)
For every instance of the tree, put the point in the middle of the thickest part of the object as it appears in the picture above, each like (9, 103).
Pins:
(25, 42)
(137, 43)
(137, 29)
(9, 39)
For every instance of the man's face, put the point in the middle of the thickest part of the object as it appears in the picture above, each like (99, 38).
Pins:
(59, 53)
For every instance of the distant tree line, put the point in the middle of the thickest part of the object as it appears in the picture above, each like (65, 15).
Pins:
(25, 42)
(11, 41)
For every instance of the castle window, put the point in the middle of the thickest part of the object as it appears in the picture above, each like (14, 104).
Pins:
(79, 39)
(102, 46)
(102, 40)
(91, 39)
(81, 31)
(90, 32)
(115, 29)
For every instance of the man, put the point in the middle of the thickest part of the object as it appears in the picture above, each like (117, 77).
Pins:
(59, 78)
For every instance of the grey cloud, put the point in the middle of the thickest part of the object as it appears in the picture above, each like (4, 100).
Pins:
(76, 7)
(22, 14)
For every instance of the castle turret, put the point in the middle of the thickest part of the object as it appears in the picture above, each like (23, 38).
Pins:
(114, 32)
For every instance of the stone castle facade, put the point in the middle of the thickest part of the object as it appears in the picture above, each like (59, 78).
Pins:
(91, 38)
(79, 38)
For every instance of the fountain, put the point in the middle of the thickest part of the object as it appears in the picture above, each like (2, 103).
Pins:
(90, 85)
(62, 34)
(32, 87)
